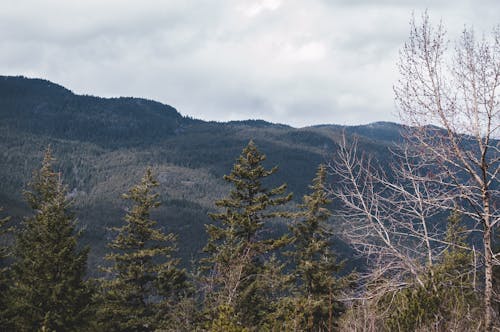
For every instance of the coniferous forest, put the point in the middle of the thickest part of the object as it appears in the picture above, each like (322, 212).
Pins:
(122, 215)
(249, 278)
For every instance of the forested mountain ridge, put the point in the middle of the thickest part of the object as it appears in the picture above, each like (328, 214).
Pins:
(103, 145)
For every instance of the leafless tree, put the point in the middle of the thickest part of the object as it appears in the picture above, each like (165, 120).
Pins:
(390, 219)
(451, 104)
(395, 217)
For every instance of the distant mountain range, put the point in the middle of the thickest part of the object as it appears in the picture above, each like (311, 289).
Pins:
(103, 146)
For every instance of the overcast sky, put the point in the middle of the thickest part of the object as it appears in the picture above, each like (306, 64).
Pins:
(287, 61)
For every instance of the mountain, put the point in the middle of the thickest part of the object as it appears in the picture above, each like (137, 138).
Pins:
(103, 146)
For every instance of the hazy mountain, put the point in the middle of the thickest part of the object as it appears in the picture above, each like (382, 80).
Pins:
(103, 146)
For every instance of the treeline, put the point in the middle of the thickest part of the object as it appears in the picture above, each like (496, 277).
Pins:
(248, 279)
(241, 283)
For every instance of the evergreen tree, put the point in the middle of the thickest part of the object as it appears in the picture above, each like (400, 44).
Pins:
(447, 298)
(49, 292)
(315, 304)
(237, 248)
(144, 277)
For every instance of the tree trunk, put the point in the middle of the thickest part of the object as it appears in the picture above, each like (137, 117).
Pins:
(488, 273)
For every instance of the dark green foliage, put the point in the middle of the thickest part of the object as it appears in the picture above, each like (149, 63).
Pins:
(237, 247)
(143, 279)
(83, 118)
(315, 302)
(225, 320)
(4, 273)
(4, 248)
(49, 292)
(446, 298)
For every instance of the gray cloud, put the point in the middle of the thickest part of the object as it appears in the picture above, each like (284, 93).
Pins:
(290, 61)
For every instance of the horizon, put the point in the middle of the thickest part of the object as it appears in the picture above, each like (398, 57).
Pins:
(188, 115)
(279, 61)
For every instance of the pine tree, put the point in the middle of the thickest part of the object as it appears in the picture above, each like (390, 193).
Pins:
(144, 277)
(49, 292)
(237, 248)
(316, 304)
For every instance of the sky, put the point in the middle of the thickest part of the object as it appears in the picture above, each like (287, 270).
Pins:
(286, 61)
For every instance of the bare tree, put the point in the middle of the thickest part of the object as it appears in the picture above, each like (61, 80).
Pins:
(451, 103)
(395, 218)
(390, 219)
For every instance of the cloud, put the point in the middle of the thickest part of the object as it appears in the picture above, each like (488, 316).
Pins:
(296, 62)
(253, 7)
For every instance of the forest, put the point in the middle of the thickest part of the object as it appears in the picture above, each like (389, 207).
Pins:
(248, 278)
(123, 215)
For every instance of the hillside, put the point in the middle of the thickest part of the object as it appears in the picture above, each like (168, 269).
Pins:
(103, 146)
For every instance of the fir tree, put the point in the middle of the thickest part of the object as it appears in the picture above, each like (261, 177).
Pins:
(49, 292)
(316, 304)
(237, 249)
(144, 278)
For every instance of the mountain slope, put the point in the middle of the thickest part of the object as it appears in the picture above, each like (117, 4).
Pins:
(103, 146)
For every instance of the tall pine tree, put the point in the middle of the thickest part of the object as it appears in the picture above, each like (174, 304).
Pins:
(239, 244)
(49, 292)
(143, 277)
(315, 303)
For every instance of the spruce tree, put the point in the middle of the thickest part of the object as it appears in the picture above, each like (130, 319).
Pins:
(239, 244)
(316, 298)
(143, 276)
(49, 291)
